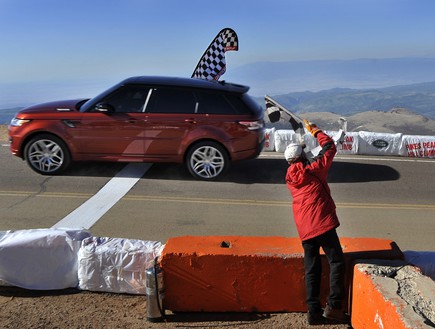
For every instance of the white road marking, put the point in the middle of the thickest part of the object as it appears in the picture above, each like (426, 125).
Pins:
(93, 209)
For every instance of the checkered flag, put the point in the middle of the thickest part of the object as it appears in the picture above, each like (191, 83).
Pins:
(276, 111)
(212, 63)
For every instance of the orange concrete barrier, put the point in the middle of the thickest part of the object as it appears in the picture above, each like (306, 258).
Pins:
(399, 301)
(248, 274)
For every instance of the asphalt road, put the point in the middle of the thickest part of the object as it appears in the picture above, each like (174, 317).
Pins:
(379, 197)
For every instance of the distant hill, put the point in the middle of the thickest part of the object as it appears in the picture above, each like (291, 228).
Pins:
(274, 78)
(418, 98)
(394, 121)
(7, 114)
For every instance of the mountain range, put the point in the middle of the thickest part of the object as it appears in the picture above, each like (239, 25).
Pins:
(418, 98)
(275, 78)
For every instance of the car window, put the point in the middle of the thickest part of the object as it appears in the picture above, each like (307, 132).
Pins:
(171, 100)
(239, 104)
(221, 103)
(214, 103)
(127, 99)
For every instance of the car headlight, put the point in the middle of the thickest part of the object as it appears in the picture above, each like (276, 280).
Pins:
(16, 122)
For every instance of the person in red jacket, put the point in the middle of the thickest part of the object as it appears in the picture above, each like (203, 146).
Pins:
(316, 221)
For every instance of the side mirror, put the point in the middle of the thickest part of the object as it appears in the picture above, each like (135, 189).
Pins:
(104, 108)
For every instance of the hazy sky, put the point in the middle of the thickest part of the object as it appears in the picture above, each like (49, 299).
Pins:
(74, 48)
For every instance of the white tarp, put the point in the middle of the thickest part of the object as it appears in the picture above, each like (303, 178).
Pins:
(418, 146)
(350, 144)
(363, 142)
(269, 143)
(115, 264)
(379, 143)
(283, 137)
(40, 259)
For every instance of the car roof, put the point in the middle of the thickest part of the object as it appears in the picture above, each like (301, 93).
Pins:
(186, 82)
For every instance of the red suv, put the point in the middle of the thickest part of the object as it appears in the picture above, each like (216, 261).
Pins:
(204, 124)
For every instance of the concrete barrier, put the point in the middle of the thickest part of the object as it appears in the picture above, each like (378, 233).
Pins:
(249, 274)
(388, 294)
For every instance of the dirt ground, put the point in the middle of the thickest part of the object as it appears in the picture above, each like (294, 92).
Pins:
(3, 133)
(73, 308)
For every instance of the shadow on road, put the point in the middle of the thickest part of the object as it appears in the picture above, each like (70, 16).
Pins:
(256, 171)
(348, 172)
(94, 169)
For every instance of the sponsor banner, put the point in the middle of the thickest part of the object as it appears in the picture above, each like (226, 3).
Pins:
(418, 146)
(284, 137)
(349, 145)
(363, 143)
(379, 143)
(269, 143)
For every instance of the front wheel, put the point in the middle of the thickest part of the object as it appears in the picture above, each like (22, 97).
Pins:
(47, 154)
(207, 160)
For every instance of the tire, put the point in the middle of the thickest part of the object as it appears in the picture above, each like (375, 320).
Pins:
(47, 154)
(207, 160)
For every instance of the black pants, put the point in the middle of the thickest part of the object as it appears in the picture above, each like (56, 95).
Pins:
(313, 270)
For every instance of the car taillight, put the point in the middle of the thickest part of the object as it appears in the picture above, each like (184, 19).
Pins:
(253, 125)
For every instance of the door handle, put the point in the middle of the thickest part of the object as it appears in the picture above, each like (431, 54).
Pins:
(190, 121)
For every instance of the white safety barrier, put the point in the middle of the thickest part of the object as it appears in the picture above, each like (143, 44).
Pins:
(40, 259)
(378, 143)
(115, 264)
(269, 144)
(418, 146)
(55, 258)
(363, 143)
(350, 144)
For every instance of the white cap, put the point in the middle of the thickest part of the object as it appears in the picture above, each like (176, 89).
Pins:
(293, 151)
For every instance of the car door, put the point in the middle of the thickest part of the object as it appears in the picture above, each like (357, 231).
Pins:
(114, 127)
(170, 118)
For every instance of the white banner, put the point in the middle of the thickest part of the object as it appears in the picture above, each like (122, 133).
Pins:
(418, 146)
(269, 143)
(350, 144)
(379, 143)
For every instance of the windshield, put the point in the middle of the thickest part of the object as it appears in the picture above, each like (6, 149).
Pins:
(84, 107)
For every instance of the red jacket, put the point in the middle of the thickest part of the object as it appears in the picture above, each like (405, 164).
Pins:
(313, 207)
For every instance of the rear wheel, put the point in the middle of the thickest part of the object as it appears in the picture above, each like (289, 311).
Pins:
(47, 154)
(207, 160)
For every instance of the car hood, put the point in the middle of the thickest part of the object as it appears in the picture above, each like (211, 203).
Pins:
(52, 107)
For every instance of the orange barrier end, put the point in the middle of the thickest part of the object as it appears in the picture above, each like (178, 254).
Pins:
(247, 274)
(376, 302)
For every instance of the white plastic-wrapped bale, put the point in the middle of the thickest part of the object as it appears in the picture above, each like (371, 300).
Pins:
(115, 264)
(418, 146)
(40, 259)
(379, 143)
(269, 143)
